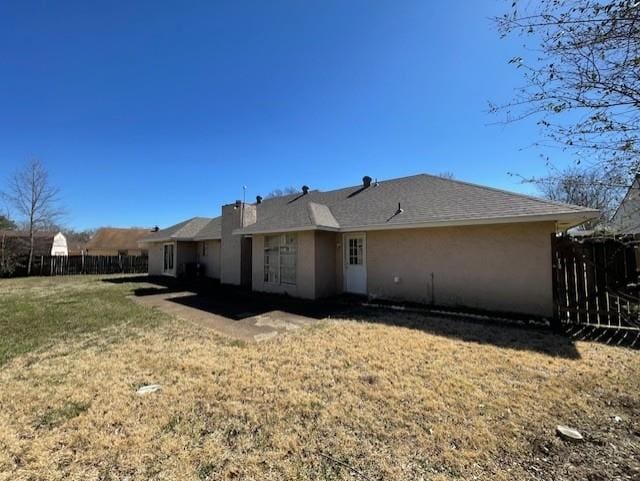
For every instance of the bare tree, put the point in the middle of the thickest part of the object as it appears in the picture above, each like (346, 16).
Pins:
(584, 187)
(282, 192)
(581, 64)
(34, 198)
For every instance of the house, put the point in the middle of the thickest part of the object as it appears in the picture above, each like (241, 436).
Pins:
(45, 243)
(421, 238)
(626, 219)
(196, 240)
(111, 241)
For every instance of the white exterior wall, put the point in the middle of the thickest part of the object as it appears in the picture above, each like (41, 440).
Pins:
(59, 247)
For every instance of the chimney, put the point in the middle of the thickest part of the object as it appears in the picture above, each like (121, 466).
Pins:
(258, 199)
(233, 249)
(305, 189)
(366, 181)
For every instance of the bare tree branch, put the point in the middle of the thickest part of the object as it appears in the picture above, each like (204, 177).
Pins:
(582, 81)
(35, 199)
(282, 192)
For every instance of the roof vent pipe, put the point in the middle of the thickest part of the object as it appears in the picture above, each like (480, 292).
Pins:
(366, 181)
(305, 189)
(258, 199)
(400, 209)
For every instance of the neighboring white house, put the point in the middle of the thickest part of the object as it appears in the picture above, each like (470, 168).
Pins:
(59, 246)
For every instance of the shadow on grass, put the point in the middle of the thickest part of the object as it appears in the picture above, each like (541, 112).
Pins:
(604, 335)
(237, 304)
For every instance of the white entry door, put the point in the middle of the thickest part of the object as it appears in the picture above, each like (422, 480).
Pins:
(355, 263)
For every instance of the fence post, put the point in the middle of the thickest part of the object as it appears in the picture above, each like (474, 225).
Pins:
(556, 325)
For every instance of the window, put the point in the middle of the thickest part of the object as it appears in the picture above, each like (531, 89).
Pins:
(204, 249)
(280, 259)
(168, 257)
(355, 253)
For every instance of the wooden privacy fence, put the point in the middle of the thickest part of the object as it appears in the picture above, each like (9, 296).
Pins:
(596, 282)
(70, 265)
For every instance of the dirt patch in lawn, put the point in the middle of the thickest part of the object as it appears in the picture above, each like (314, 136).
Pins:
(402, 397)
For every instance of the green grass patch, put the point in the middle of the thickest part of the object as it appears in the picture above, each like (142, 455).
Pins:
(37, 312)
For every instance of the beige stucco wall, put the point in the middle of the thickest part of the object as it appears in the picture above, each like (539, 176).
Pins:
(212, 260)
(305, 268)
(234, 216)
(499, 267)
(155, 258)
(327, 248)
(186, 252)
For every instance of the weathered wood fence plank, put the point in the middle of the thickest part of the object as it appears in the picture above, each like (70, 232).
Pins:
(596, 282)
(77, 265)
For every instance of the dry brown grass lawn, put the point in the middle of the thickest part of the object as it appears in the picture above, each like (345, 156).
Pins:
(389, 401)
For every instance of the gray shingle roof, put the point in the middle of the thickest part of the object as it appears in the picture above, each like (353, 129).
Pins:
(197, 228)
(211, 230)
(416, 200)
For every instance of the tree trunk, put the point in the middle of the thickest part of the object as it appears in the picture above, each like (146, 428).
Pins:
(3, 266)
(30, 251)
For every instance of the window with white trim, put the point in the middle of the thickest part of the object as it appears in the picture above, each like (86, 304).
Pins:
(204, 249)
(168, 257)
(280, 259)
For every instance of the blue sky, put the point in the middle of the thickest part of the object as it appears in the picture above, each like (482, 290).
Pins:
(152, 112)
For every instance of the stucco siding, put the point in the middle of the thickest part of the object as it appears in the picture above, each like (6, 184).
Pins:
(183, 253)
(305, 268)
(325, 263)
(186, 253)
(234, 216)
(155, 258)
(211, 260)
(498, 267)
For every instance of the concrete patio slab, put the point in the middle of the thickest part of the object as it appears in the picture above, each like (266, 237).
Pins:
(237, 320)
